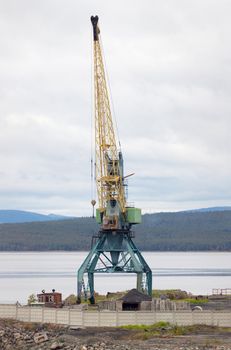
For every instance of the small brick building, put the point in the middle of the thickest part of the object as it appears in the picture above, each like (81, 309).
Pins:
(52, 299)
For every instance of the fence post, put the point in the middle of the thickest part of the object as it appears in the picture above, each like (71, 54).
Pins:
(117, 318)
(56, 318)
(29, 313)
(42, 314)
(212, 319)
(174, 316)
(69, 317)
(16, 312)
(83, 317)
(154, 316)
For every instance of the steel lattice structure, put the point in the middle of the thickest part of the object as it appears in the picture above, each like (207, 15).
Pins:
(113, 250)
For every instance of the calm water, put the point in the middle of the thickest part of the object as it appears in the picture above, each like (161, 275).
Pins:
(22, 274)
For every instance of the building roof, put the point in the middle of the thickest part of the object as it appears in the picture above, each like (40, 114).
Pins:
(134, 296)
(51, 293)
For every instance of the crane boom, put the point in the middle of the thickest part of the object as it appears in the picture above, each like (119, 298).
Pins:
(108, 160)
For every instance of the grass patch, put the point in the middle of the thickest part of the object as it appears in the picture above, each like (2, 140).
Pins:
(194, 301)
(165, 329)
(157, 329)
(173, 294)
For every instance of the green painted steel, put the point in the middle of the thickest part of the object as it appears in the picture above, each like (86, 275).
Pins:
(133, 216)
(98, 216)
(113, 252)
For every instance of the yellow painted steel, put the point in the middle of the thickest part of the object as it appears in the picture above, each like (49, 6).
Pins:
(109, 181)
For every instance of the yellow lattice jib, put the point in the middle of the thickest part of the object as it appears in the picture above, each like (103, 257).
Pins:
(108, 172)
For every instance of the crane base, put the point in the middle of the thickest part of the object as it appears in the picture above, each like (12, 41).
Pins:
(113, 251)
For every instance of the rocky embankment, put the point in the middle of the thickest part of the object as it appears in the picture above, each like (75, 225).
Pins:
(33, 336)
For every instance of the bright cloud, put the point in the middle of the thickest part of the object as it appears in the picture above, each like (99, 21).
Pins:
(169, 69)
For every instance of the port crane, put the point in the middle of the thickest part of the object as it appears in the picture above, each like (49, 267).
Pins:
(113, 250)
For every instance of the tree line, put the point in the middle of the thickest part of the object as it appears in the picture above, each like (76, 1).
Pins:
(182, 231)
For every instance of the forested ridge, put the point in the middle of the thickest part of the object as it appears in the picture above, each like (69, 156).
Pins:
(180, 231)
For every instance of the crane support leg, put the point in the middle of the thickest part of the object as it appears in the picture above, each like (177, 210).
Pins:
(114, 252)
(85, 267)
(146, 268)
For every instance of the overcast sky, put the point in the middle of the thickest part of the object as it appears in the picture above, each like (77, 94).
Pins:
(169, 64)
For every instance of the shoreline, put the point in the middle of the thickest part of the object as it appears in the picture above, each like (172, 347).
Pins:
(145, 251)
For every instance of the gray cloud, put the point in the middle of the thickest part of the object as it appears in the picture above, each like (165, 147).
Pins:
(169, 69)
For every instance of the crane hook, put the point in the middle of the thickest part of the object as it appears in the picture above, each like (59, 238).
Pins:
(93, 203)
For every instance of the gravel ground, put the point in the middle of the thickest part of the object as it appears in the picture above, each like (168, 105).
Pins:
(19, 335)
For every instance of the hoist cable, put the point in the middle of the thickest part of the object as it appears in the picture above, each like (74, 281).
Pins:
(92, 121)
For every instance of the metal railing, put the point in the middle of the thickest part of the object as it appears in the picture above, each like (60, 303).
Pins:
(221, 291)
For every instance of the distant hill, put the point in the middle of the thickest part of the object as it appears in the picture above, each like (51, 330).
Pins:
(210, 209)
(182, 231)
(19, 216)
